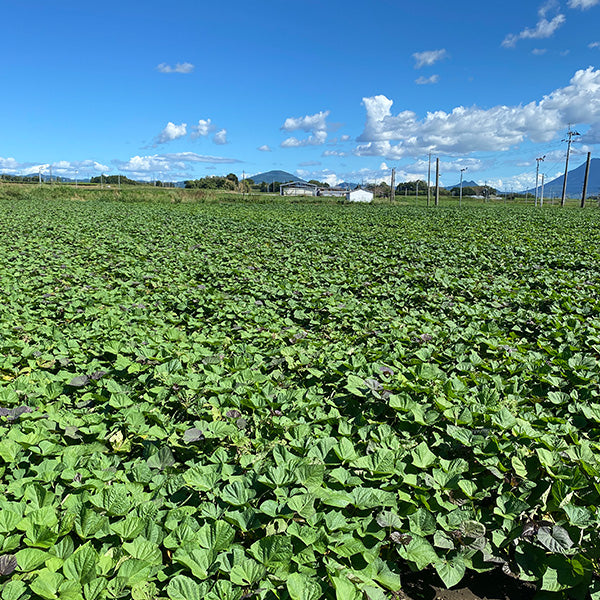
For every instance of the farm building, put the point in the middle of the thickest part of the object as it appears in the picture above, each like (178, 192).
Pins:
(339, 192)
(359, 195)
(298, 188)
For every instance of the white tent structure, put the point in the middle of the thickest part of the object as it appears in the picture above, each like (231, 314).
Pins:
(359, 195)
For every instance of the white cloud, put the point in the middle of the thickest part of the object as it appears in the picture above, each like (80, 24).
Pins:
(61, 168)
(543, 29)
(184, 68)
(220, 137)
(345, 138)
(318, 139)
(324, 175)
(427, 80)
(264, 148)
(315, 124)
(179, 162)
(539, 51)
(333, 153)
(428, 58)
(582, 4)
(10, 166)
(171, 132)
(594, 45)
(203, 128)
(472, 129)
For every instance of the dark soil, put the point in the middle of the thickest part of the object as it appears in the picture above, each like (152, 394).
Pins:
(493, 585)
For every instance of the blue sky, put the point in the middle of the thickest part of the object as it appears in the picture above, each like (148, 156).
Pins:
(333, 90)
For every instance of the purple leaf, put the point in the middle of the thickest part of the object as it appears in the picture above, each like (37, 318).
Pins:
(8, 564)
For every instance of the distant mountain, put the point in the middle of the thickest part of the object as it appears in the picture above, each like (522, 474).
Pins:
(465, 184)
(574, 182)
(271, 176)
(347, 185)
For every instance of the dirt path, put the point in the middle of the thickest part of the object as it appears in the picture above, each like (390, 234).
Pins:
(493, 585)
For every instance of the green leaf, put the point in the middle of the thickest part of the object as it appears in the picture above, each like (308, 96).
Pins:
(450, 571)
(247, 573)
(273, 551)
(422, 456)
(95, 589)
(184, 588)
(418, 551)
(134, 571)
(198, 560)
(345, 589)
(162, 459)
(237, 494)
(301, 587)
(46, 584)
(30, 558)
(144, 550)
(555, 539)
(81, 565)
(217, 536)
(13, 590)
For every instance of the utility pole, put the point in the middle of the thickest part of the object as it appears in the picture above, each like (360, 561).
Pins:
(428, 179)
(50, 174)
(76, 176)
(569, 140)
(437, 181)
(585, 181)
(461, 179)
(537, 174)
(417, 192)
(393, 187)
(119, 176)
(40, 176)
(542, 196)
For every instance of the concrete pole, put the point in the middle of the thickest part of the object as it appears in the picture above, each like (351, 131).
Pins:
(585, 181)
(437, 181)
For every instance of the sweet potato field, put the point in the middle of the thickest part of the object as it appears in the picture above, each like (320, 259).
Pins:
(295, 402)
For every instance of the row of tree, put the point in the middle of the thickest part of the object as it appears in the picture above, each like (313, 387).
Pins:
(410, 188)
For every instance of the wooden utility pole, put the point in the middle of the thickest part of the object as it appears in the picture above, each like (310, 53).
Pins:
(585, 180)
(569, 139)
(542, 193)
(437, 181)
(393, 187)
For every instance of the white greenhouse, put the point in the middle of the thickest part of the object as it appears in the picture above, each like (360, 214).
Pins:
(359, 195)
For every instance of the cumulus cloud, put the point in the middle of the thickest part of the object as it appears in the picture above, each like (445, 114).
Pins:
(427, 80)
(178, 162)
(428, 58)
(203, 128)
(184, 68)
(544, 29)
(171, 132)
(264, 148)
(62, 168)
(582, 4)
(324, 175)
(333, 153)
(220, 138)
(471, 129)
(315, 124)
(594, 45)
